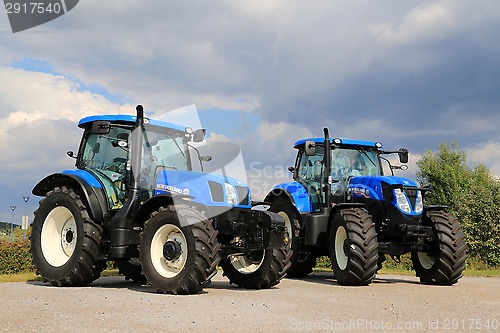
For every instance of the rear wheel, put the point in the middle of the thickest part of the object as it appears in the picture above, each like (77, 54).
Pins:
(445, 262)
(302, 262)
(65, 241)
(179, 250)
(353, 247)
(260, 269)
(131, 269)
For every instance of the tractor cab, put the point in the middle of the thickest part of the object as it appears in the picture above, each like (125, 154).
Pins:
(105, 152)
(348, 159)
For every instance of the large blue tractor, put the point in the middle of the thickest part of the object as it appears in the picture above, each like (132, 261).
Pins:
(342, 205)
(134, 199)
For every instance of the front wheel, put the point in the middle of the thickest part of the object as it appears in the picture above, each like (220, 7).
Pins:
(65, 241)
(179, 250)
(445, 262)
(353, 247)
(260, 269)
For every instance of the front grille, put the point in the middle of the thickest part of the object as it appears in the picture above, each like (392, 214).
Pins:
(411, 193)
(242, 194)
(216, 191)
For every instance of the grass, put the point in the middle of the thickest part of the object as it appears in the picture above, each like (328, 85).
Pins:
(31, 276)
(20, 277)
(491, 272)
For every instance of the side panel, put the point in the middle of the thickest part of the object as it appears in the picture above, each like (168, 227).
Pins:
(368, 187)
(197, 185)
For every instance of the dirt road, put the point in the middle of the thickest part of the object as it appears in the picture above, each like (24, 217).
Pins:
(318, 303)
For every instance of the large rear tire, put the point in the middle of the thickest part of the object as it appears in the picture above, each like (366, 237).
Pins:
(353, 247)
(131, 269)
(261, 269)
(179, 250)
(65, 240)
(446, 261)
(302, 262)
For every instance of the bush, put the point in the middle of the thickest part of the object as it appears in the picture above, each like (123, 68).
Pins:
(472, 194)
(15, 257)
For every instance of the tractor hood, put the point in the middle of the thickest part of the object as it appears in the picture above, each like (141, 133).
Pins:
(402, 193)
(372, 186)
(204, 188)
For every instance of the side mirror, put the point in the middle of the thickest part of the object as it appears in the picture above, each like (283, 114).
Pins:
(403, 155)
(100, 127)
(71, 154)
(291, 169)
(199, 135)
(310, 148)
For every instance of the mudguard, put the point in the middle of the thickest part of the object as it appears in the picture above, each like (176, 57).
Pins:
(297, 194)
(80, 180)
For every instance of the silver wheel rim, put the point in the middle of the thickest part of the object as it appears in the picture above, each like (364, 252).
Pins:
(288, 225)
(163, 266)
(59, 236)
(426, 260)
(340, 255)
(245, 264)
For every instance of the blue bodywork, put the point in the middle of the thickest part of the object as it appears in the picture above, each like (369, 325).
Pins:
(352, 142)
(124, 118)
(299, 196)
(196, 185)
(86, 176)
(370, 187)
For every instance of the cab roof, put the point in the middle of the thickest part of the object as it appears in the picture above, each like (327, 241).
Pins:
(128, 119)
(345, 142)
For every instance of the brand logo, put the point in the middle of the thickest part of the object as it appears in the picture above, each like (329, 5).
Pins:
(26, 14)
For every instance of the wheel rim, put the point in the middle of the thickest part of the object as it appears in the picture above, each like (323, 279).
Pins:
(426, 260)
(169, 251)
(247, 264)
(288, 225)
(340, 253)
(59, 236)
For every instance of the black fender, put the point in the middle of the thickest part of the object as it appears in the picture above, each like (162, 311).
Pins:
(94, 198)
(318, 225)
(280, 193)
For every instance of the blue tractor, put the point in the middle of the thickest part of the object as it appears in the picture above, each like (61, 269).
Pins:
(342, 205)
(135, 200)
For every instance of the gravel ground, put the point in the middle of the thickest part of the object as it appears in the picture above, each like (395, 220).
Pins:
(317, 303)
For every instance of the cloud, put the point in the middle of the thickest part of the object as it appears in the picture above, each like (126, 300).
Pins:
(39, 113)
(487, 153)
(409, 74)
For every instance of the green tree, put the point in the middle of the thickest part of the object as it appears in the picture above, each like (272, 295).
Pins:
(447, 171)
(471, 193)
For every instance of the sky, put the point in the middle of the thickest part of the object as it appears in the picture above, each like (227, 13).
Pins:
(261, 73)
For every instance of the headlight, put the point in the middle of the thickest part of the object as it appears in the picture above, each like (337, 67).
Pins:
(231, 196)
(402, 201)
(419, 203)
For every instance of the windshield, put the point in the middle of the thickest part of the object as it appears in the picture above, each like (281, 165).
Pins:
(165, 147)
(354, 161)
(347, 162)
